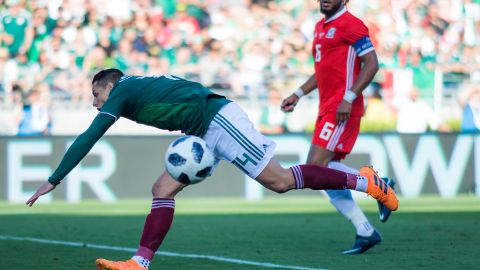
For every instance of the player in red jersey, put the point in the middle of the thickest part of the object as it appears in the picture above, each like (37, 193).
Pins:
(345, 63)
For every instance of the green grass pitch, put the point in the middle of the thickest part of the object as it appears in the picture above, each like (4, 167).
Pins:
(289, 232)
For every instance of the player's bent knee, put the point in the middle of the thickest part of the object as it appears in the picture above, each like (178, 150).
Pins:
(162, 191)
(156, 190)
(276, 178)
(320, 161)
(166, 187)
(279, 187)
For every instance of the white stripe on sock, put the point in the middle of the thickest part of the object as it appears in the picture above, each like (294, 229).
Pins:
(362, 183)
(156, 203)
(297, 174)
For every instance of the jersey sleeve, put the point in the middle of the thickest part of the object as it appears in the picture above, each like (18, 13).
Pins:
(81, 146)
(115, 103)
(356, 34)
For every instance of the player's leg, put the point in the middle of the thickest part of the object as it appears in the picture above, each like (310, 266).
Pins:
(276, 178)
(157, 225)
(331, 142)
(342, 200)
(160, 218)
(383, 211)
(280, 180)
(338, 139)
(232, 137)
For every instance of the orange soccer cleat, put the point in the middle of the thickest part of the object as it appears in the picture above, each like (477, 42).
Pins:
(378, 189)
(131, 264)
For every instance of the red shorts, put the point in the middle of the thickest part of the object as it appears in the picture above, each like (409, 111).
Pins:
(338, 139)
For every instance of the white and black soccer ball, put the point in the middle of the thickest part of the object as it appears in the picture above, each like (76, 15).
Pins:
(188, 160)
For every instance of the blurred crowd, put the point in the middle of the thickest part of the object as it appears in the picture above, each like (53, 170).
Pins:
(429, 53)
(247, 49)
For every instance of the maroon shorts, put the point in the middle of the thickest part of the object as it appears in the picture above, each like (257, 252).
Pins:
(338, 139)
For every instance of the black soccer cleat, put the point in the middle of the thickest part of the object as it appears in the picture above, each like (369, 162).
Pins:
(364, 243)
(383, 211)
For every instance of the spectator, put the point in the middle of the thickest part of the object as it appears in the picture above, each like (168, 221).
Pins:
(259, 43)
(16, 30)
(415, 115)
(470, 102)
(252, 68)
(423, 75)
(378, 115)
(212, 65)
(20, 69)
(272, 120)
(3, 61)
(36, 120)
(11, 117)
(185, 65)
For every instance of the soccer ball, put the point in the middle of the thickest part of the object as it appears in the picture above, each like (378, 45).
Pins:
(188, 160)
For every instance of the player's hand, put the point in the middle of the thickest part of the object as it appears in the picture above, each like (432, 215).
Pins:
(289, 103)
(343, 111)
(43, 189)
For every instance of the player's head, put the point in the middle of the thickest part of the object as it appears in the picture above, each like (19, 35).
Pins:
(102, 84)
(330, 7)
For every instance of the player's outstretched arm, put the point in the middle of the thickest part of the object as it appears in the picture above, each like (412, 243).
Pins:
(75, 153)
(42, 190)
(81, 146)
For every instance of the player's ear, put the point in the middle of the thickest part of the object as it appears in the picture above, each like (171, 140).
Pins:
(109, 86)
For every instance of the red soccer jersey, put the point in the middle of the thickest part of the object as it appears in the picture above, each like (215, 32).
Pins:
(338, 43)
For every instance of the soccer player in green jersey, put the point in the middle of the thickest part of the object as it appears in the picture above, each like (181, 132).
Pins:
(171, 103)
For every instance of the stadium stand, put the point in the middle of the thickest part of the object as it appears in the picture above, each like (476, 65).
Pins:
(242, 49)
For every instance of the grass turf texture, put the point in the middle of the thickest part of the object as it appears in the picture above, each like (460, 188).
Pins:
(427, 233)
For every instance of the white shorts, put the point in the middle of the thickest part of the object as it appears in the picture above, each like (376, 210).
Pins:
(232, 137)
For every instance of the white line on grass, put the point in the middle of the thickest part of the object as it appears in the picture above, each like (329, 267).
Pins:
(162, 253)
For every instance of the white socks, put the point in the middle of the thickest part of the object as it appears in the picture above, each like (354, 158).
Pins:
(342, 167)
(362, 183)
(142, 261)
(343, 201)
(360, 221)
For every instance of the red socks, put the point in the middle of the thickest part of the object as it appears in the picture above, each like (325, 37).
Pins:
(156, 227)
(160, 218)
(317, 177)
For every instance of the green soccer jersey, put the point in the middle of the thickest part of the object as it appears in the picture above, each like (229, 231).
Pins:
(15, 26)
(165, 102)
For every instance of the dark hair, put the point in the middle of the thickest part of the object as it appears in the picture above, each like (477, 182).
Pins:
(107, 75)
